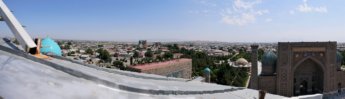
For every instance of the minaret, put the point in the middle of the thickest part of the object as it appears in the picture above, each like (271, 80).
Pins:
(254, 68)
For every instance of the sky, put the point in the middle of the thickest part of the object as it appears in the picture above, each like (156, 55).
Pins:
(182, 20)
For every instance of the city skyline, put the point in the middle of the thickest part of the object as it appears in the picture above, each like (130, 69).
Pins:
(183, 49)
(182, 20)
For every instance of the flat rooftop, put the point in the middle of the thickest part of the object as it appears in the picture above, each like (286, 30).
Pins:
(149, 66)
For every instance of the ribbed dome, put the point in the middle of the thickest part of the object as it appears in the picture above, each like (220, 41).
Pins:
(49, 46)
(339, 57)
(269, 59)
(207, 70)
(241, 61)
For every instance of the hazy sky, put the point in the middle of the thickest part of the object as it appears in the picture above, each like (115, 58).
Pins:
(214, 20)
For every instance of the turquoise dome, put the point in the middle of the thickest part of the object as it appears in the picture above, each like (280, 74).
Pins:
(269, 59)
(339, 57)
(50, 47)
(207, 70)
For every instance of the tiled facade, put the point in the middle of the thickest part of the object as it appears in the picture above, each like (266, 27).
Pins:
(303, 68)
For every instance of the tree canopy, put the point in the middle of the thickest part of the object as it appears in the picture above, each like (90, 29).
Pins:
(104, 55)
(149, 53)
(136, 54)
(221, 73)
(168, 55)
(119, 64)
(89, 51)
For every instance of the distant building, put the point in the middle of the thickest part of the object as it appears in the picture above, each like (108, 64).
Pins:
(157, 44)
(241, 62)
(82, 51)
(177, 55)
(143, 44)
(164, 49)
(299, 68)
(217, 53)
(84, 57)
(179, 68)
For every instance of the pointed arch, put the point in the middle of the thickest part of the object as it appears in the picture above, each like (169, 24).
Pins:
(308, 76)
(320, 64)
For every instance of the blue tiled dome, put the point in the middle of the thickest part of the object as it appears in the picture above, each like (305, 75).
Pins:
(269, 59)
(49, 46)
(207, 70)
(339, 57)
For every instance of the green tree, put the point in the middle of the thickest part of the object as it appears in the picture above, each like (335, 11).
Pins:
(260, 53)
(159, 51)
(168, 55)
(176, 46)
(147, 60)
(228, 75)
(89, 51)
(159, 58)
(343, 54)
(149, 53)
(230, 50)
(173, 48)
(67, 46)
(136, 54)
(221, 48)
(104, 55)
(119, 65)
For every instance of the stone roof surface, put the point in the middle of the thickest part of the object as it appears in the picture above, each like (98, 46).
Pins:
(150, 66)
(23, 76)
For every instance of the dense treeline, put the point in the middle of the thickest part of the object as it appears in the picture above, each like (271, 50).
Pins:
(228, 75)
(221, 73)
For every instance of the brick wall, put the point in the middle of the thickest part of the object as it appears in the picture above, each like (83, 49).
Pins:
(268, 83)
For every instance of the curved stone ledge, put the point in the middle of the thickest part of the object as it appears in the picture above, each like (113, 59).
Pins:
(95, 79)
